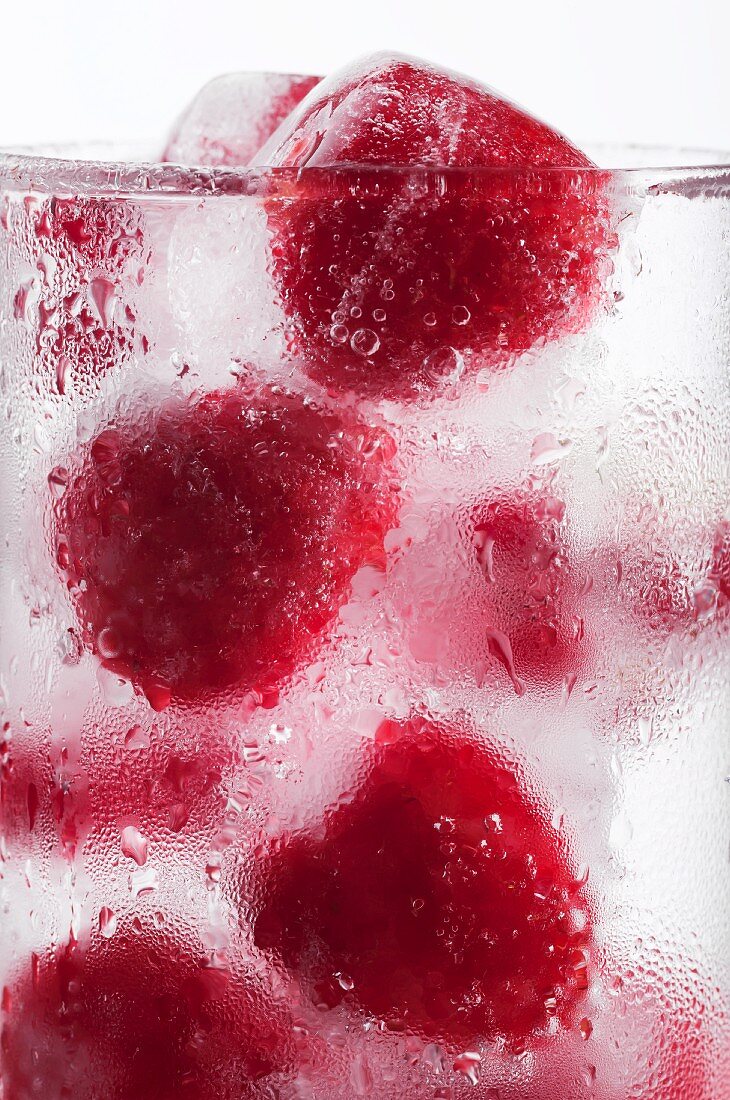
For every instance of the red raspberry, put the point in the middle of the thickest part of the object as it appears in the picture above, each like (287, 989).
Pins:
(138, 1017)
(210, 545)
(389, 284)
(434, 896)
(536, 627)
(232, 116)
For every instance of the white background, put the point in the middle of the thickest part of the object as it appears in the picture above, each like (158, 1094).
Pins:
(627, 70)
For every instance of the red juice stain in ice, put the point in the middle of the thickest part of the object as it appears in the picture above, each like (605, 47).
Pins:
(209, 546)
(535, 595)
(380, 285)
(436, 897)
(667, 589)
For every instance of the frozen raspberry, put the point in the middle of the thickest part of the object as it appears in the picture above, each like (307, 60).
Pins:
(232, 116)
(435, 897)
(208, 546)
(385, 282)
(137, 1017)
(536, 627)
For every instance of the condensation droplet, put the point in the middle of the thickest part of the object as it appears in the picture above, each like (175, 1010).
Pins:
(136, 739)
(547, 449)
(57, 481)
(134, 845)
(144, 881)
(621, 831)
(468, 1064)
(102, 293)
(107, 922)
(645, 731)
(500, 647)
(117, 689)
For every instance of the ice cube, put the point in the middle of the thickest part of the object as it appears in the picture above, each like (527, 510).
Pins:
(219, 543)
(140, 1015)
(474, 264)
(232, 116)
(438, 888)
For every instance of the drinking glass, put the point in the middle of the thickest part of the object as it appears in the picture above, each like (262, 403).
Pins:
(363, 741)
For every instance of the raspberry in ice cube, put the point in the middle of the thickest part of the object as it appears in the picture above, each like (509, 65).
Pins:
(138, 1016)
(434, 896)
(232, 116)
(406, 270)
(536, 626)
(209, 545)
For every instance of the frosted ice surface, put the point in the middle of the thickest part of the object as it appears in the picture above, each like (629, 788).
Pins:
(231, 117)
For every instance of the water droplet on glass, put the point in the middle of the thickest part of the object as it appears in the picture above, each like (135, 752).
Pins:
(444, 364)
(468, 1064)
(57, 481)
(547, 449)
(645, 731)
(136, 739)
(621, 831)
(134, 845)
(117, 689)
(102, 293)
(500, 647)
(107, 922)
(158, 693)
(144, 881)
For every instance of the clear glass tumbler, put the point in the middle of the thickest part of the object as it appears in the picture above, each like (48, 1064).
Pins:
(365, 603)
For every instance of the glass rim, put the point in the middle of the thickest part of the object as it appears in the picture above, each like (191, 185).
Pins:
(61, 169)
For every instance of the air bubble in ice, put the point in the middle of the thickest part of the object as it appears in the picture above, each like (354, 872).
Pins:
(365, 342)
(340, 333)
(460, 315)
(444, 364)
